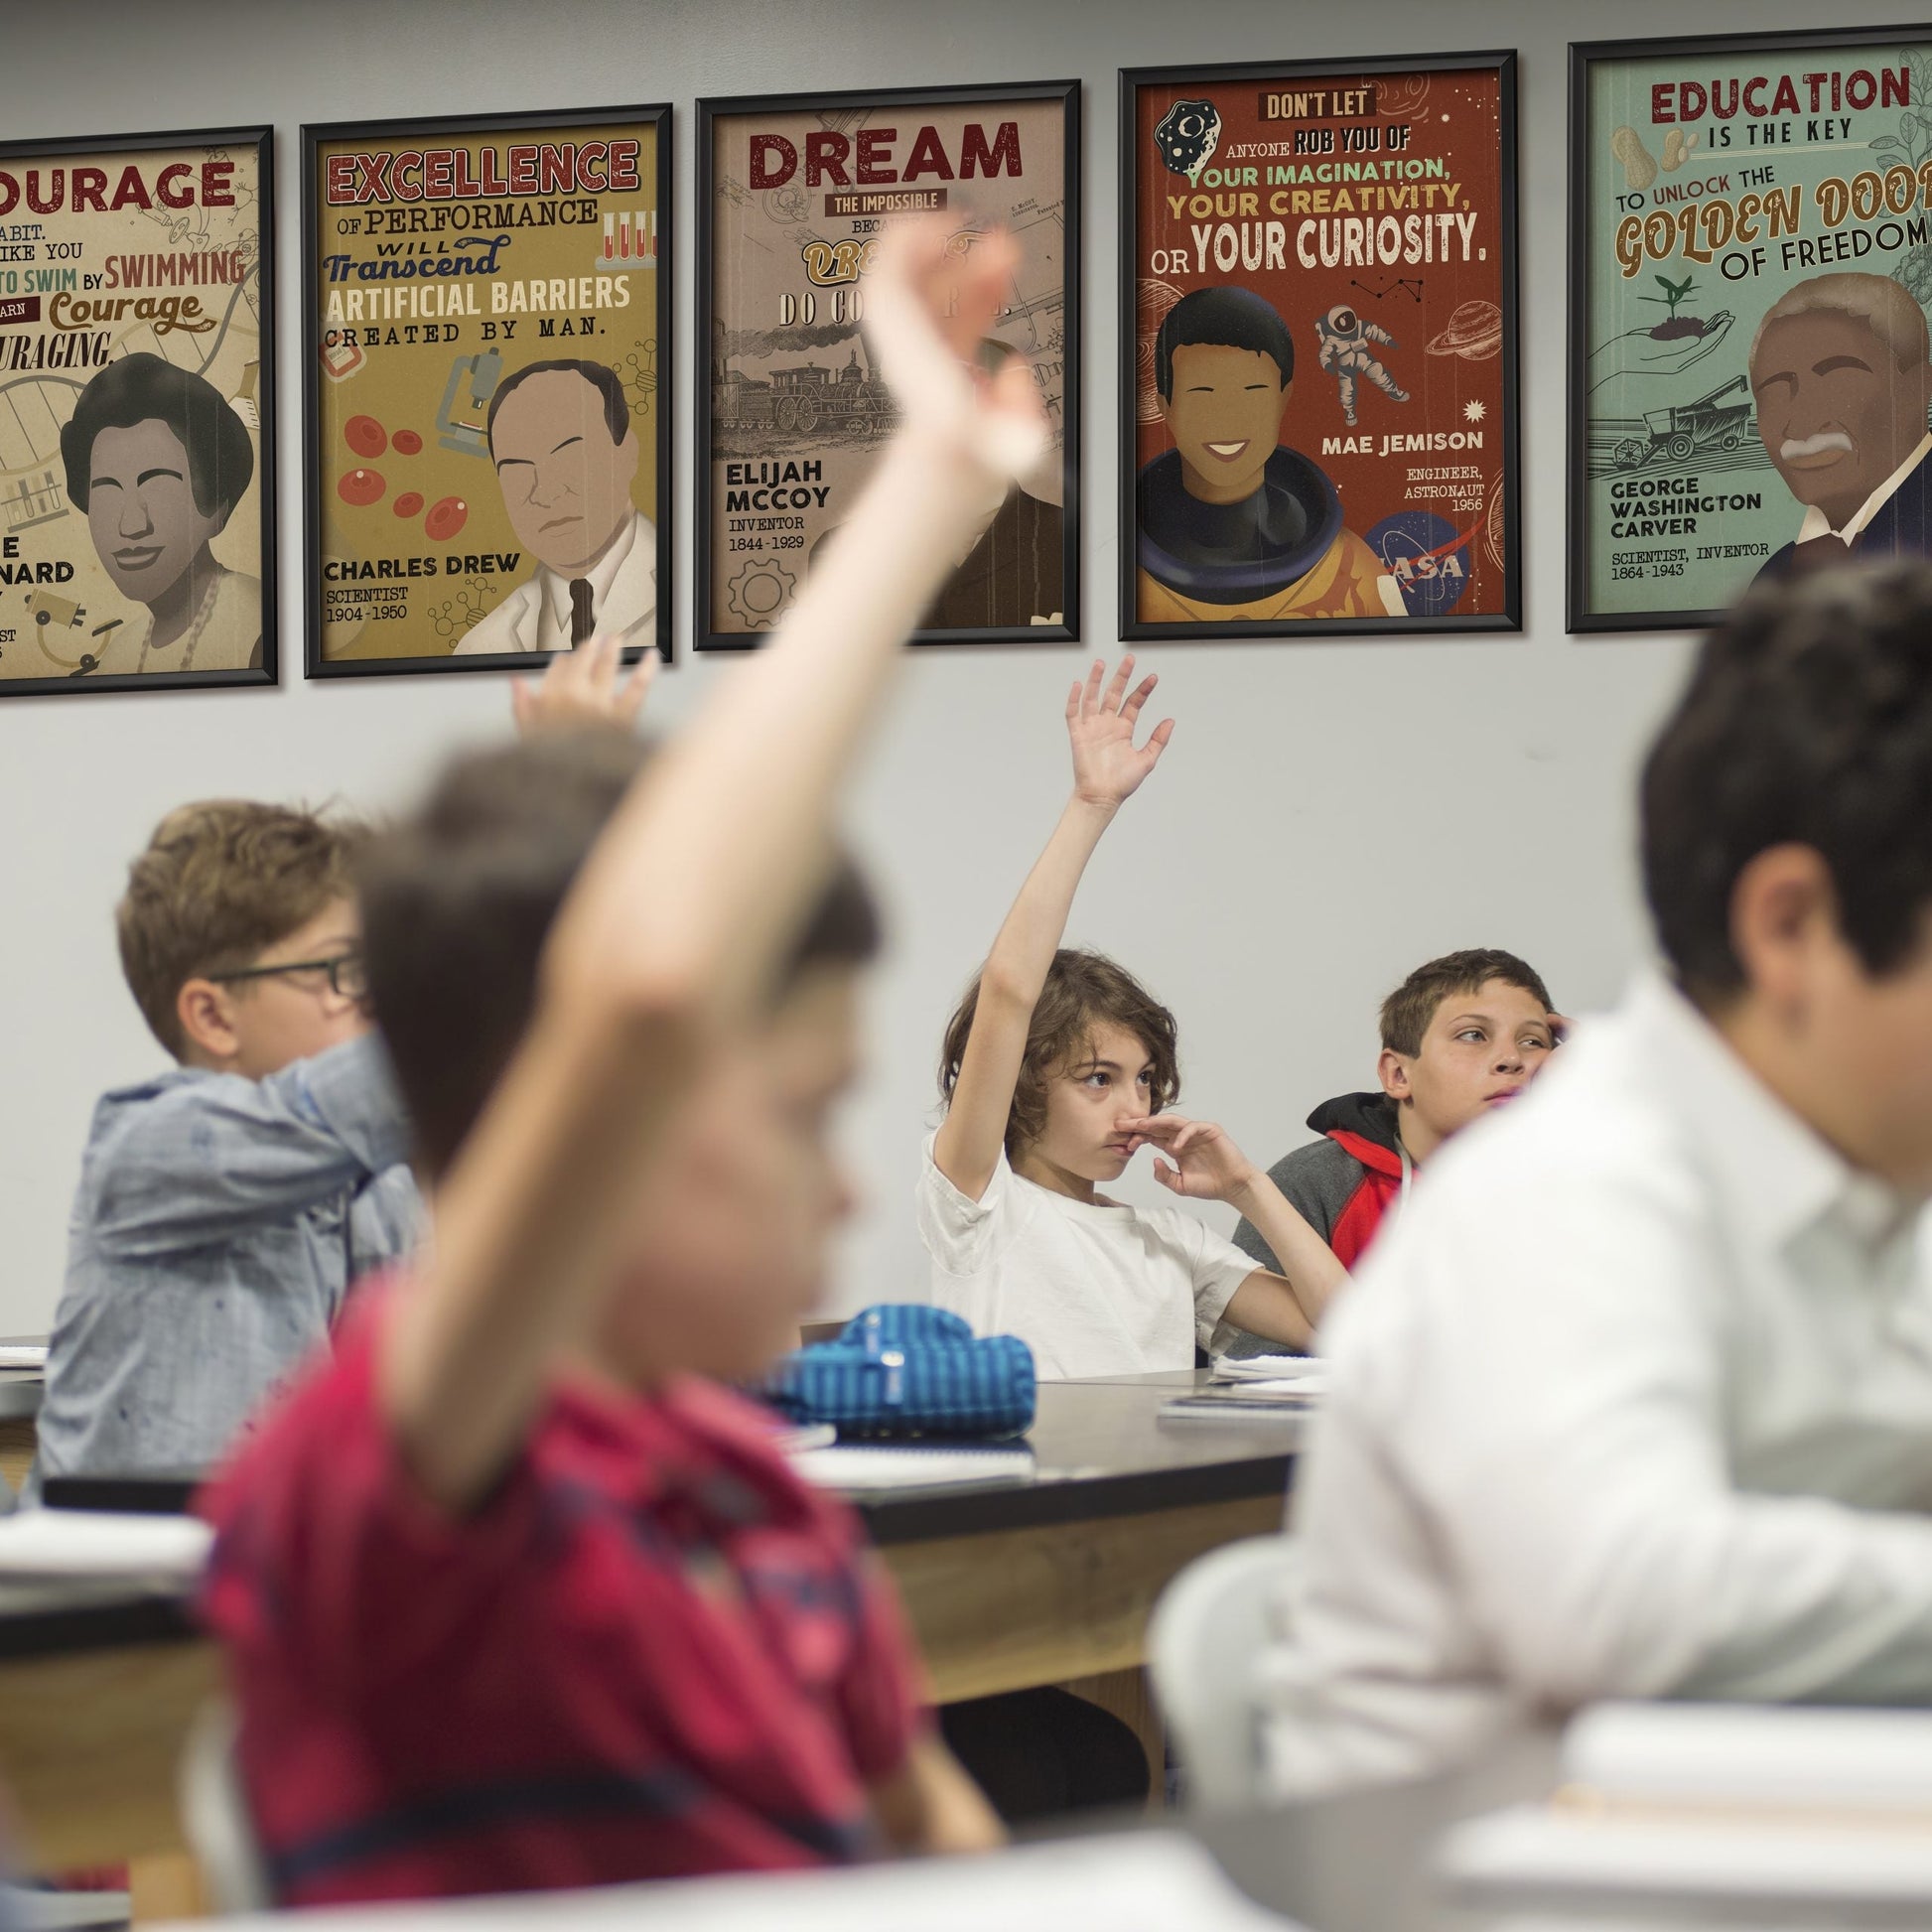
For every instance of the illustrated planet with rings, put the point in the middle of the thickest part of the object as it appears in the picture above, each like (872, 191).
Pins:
(1474, 332)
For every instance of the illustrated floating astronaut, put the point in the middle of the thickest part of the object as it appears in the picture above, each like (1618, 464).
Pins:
(1347, 354)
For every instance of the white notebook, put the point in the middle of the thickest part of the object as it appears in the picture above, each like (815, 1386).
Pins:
(910, 1465)
(37, 1544)
(22, 1354)
(1311, 1369)
(1796, 1816)
(1143, 1881)
(1738, 1754)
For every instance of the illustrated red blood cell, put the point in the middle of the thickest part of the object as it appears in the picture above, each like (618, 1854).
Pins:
(409, 504)
(446, 518)
(406, 442)
(361, 487)
(365, 436)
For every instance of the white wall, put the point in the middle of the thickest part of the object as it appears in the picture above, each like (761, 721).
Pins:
(1330, 814)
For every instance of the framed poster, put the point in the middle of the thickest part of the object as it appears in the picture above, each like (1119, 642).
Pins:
(1318, 340)
(487, 313)
(1750, 263)
(137, 386)
(794, 192)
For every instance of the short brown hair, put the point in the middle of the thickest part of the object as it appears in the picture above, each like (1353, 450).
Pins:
(1084, 990)
(221, 881)
(1407, 1011)
(458, 898)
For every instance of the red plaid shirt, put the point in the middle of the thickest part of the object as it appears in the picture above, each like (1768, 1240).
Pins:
(653, 1652)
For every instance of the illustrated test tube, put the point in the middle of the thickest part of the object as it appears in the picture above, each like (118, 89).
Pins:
(609, 223)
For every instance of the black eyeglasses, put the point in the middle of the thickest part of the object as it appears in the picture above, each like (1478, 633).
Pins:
(349, 975)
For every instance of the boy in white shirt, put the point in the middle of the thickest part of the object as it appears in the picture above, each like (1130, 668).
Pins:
(1636, 1401)
(1058, 1067)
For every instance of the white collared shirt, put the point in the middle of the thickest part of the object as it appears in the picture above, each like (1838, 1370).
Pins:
(1635, 1399)
(553, 589)
(1817, 524)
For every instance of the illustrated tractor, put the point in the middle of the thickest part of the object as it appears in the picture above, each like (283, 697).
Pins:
(1680, 432)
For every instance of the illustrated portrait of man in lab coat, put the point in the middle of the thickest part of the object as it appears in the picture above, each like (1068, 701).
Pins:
(566, 453)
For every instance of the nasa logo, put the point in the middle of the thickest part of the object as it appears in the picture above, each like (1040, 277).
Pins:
(1423, 554)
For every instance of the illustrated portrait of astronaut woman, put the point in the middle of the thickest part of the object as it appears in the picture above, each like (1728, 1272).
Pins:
(1841, 377)
(566, 453)
(1235, 523)
(156, 460)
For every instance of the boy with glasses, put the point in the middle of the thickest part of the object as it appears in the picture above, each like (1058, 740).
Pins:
(226, 1206)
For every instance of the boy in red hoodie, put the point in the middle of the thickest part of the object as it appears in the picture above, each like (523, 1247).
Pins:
(1461, 1034)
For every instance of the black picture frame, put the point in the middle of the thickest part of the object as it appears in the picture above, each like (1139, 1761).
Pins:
(706, 635)
(657, 116)
(1580, 617)
(1133, 629)
(261, 142)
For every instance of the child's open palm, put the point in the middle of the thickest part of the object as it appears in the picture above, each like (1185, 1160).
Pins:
(1108, 768)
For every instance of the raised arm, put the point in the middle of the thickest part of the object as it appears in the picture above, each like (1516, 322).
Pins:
(683, 911)
(582, 687)
(1107, 771)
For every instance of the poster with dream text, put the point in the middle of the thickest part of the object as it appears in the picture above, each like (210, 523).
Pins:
(793, 194)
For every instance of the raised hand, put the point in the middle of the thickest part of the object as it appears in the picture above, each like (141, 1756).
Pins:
(1202, 1163)
(1108, 766)
(929, 304)
(579, 687)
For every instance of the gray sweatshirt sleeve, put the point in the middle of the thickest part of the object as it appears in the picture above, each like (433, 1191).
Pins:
(1318, 1181)
(182, 1165)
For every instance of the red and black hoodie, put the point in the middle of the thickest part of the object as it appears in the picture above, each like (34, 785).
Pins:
(1342, 1185)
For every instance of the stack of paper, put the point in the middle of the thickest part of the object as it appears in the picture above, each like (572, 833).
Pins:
(22, 1354)
(102, 1545)
(1306, 1371)
(1768, 1817)
(910, 1465)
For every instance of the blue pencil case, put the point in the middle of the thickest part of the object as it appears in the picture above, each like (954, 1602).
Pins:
(903, 1369)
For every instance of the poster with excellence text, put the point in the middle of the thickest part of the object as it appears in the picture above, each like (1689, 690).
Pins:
(485, 335)
(1319, 328)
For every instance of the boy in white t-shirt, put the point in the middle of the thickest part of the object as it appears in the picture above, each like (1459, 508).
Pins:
(1057, 1068)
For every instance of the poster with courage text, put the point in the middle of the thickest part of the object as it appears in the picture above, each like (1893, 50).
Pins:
(137, 420)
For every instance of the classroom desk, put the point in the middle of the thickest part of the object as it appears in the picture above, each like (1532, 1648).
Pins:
(1028, 1580)
(1364, 1862)
(21, 1390)
(1037, 1579)
(1358, 1864)
(1051, 1577)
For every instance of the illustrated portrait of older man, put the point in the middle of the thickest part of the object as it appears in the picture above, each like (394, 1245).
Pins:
(1841, 369)
(566, 454)
(157, 461)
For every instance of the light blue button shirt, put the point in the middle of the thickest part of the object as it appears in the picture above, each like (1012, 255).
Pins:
(217, 1226)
